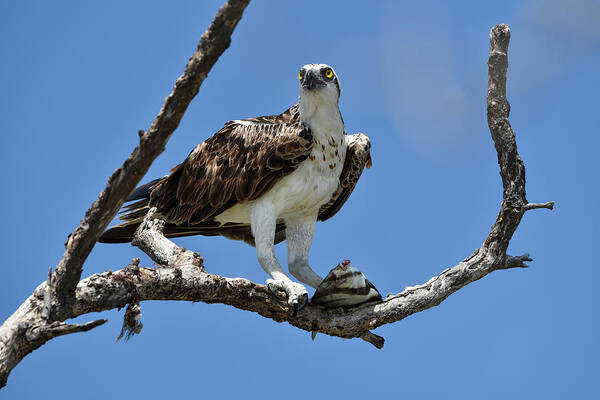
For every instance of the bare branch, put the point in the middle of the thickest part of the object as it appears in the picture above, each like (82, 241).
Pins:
(187, 280)
(188, 276)
(512, 168)
(149, 238)
(46, 332)
(59, 292)
(532, 206)
(121, 183)
(374, 339)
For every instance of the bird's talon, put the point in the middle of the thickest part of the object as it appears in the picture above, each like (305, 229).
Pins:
(297, 297)
(304, 302)
(274, 291)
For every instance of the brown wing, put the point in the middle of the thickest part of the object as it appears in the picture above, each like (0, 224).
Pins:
(358, 156)
(239, 163)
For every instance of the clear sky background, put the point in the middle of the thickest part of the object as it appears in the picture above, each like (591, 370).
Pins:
(78, 79)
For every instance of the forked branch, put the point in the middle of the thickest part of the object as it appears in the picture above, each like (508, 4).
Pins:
(59, 292)
(124, 179)
(186, 279)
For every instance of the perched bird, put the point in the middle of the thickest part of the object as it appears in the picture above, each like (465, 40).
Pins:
(345, 286)
(263, 180)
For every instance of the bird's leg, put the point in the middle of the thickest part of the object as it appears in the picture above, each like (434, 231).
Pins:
(262, 222)
(299, 235)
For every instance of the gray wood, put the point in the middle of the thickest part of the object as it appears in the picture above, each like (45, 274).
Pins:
(186, 279)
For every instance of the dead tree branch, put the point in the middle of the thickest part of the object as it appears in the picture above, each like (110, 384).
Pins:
(121, 183)
(18, 335)
(187, 280)
(532, 206)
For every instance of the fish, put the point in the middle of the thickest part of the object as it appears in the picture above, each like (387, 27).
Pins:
(345, 286)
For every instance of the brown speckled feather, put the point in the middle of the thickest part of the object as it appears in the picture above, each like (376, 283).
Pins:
(239, 163)
(358, 156)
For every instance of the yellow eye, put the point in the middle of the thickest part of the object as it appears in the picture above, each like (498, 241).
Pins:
(300, 75)
(329, 74)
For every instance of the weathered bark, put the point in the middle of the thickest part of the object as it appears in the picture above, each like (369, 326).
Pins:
(33, 323)
(121, 183)
(186, 279)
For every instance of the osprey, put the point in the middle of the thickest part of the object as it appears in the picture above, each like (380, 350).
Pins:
(263, 180)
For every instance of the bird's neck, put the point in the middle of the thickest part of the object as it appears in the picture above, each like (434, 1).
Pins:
(322, 115)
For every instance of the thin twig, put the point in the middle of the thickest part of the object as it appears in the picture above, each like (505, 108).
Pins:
(56, 329)
(374, 339)
(532, 206)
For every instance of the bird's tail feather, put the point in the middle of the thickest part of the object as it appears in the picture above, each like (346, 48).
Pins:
(132, 214)
(123, 233)
(119, 234)
(143, 191)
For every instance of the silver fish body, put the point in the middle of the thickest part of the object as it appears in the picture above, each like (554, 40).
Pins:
(345, 286)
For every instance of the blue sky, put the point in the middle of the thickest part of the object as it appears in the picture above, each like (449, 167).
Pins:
(79, 79)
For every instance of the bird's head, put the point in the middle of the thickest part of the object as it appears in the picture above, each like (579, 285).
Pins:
(319, 81)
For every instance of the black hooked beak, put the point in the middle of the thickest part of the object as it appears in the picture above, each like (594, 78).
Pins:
(312, 80)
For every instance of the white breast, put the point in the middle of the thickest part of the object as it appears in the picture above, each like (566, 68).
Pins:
(304, 191)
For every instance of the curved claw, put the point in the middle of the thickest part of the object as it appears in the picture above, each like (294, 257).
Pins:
(304, 302)
(274, 292)
(300, 306)
(297, 297)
